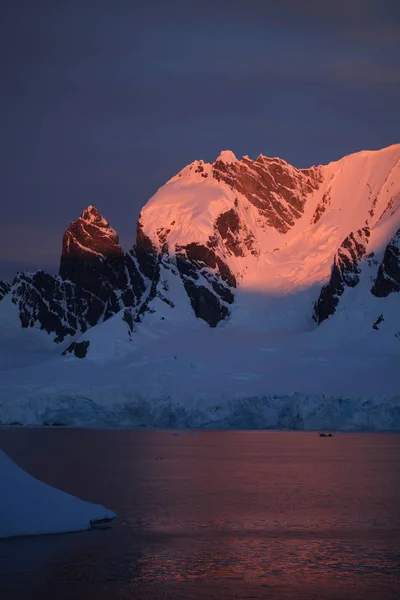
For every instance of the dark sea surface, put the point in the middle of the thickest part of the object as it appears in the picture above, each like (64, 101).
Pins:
(212, 514)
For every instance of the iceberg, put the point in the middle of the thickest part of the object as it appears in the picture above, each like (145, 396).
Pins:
(30, 507)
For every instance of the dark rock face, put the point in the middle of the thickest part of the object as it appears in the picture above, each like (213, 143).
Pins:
(379, 320)
(133, 287)
(205, 304)
(388, 278)
(200, 256)
(271, 185)
(321, 208)
(390, 208)
(91, 232)
(197, 262)
(4, 289)
(79, 349)
(228, 227)
(91, 253)
(128, 318)
(146, 252)
(235, 236)
(345, 272)
(92, 259)
(159, 287)
(59, 307)
(145, 308)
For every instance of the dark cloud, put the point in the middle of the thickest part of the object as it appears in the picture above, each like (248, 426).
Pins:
(101, 102)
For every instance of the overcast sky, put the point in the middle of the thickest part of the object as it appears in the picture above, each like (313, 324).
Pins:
(102, 101)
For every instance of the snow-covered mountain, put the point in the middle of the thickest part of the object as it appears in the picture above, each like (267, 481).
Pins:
(310, 256)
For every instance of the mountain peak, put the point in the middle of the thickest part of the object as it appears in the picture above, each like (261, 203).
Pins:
(88, 240)
(227, 157)
(93, 216)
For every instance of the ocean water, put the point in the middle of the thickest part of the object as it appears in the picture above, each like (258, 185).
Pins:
(213, 514)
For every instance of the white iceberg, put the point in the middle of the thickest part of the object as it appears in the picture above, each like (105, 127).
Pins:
(30, 507)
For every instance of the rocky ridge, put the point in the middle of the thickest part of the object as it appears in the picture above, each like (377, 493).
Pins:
(388, 277)
(4, 288)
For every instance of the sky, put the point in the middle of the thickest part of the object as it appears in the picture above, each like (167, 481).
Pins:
(101, 102)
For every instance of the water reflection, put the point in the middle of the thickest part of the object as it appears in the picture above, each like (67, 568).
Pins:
(278, 561)
(219, 515)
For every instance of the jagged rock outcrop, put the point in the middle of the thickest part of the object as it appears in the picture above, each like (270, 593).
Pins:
(379, 320)
(278, 190)
(4, 289)
(96, 280)
(345, 272)
(321, 208)
(93, 259)
(234, 234)
(56, 306)
(388, 278)
(78, 349)
(146, 252)
(208, 281)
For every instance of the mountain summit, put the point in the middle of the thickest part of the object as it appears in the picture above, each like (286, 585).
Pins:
(91, 233)
(239, 229)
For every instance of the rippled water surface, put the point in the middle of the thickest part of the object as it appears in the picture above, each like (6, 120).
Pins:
(215, 514)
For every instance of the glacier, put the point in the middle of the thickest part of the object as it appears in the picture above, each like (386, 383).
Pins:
(199, 377)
